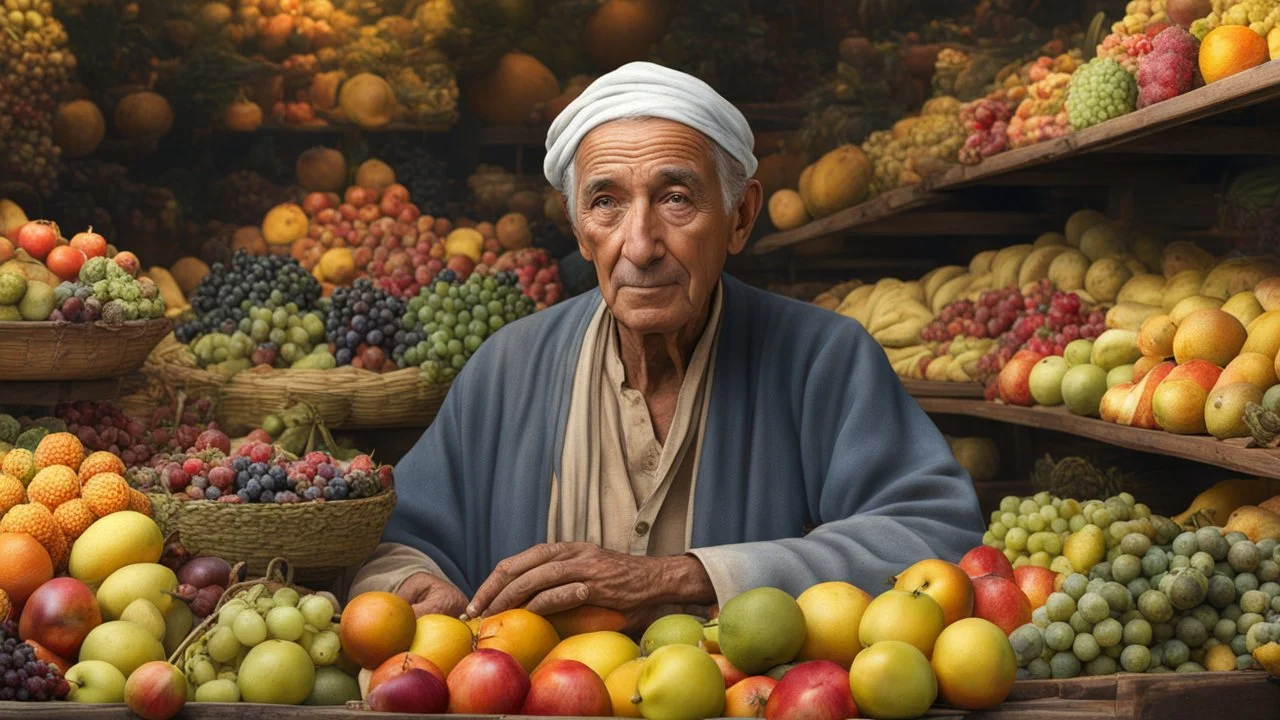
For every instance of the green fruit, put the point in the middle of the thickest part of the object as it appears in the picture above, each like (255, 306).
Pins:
(1078, 352)
(38, 303)
(680, 682)
(9, 313)
(761, 628)
(278, 672)
(333, 687)
(1120, 374)
(671, 630)
(12, 288)
(1083, 387)
(1271, 398)
(1045, 380)
(224, 691)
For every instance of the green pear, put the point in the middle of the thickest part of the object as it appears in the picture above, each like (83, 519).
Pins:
(760, 629)
(679, 682)
(143, 613)
(177, 624)
(139, 580)
(671, 630)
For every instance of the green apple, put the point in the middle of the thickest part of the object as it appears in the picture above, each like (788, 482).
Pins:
(1120, 374)
(1083, 387)
(276, 672)
(761, 628)
(95, 681)
(123, 644)
(1078, 352)
(1046, 380)
(679, 682)
(672, 630)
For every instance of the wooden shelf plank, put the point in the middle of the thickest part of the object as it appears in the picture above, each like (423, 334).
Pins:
(328, 127)
(937, 389)
(48, 394)
(1241, 90)
(1230, 454)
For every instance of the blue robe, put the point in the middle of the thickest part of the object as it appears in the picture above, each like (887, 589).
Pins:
(808, 429)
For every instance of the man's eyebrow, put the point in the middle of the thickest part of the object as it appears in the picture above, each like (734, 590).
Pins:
(680, 176)
(595, 185)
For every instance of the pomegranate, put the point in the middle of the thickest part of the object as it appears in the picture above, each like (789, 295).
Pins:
(38, 238)
(90, 243)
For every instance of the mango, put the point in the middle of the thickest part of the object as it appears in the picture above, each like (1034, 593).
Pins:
(119, 539)
(1264, 334)
(1219, 501)
(1104, 240)
(1114, 348)
(1184, 255)
(1188, 305)
(1079, 222)
(1131, 316)
(1224, 411)
(145, 581)
(1068, 270)
(1105, 278)
(1146, 289)
(1255, 522)
(840, 179)
(1181, 286)
(981, 263)
(1244, 306)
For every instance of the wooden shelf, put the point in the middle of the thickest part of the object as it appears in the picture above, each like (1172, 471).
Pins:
(1118, 135)
(327, 127)
(1230, 454)
(937, 389)
(49, 394)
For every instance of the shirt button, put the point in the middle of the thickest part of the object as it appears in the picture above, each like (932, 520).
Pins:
(650, 462)
(642, 528)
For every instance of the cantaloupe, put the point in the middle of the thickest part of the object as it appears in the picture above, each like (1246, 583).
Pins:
(368, 101)
(508, 93)
(321, 169)
(839, 180)
(78, 128)
(144, 115)
(188, 272)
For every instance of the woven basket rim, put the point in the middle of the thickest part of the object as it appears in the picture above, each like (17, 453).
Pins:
(10, 325)
(268, 507)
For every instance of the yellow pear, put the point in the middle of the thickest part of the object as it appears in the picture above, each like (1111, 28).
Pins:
(1085, 548)
(602, 651)
(1255, 522)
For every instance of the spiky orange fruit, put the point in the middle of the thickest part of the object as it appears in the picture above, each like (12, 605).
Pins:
(11, 492)
(59, 550)
(35, 520)
(106, 493)
(100, 462)
(73, 518)
(138, 502)
(53, 486)
(61, 448)
(19, 463)
(6, 607)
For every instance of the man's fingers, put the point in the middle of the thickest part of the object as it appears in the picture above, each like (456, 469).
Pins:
(560, 598)
(507, 571)
(543, 577)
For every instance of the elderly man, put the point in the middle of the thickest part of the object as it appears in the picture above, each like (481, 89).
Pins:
(676, 437)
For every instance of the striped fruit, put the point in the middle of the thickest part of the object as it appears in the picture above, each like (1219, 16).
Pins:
(59, 449)
(100, 462)
(138, 502)
(106, 493)
(11, 493)
(19, 463)
(53, 486)
(34, 520)
(73, 517)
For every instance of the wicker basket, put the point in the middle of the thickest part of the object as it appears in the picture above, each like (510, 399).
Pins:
(172, 364)
(81, 351)
(318, 539)
(344, 398)
(277, 574)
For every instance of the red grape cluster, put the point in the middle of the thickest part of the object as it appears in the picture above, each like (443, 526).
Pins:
(23, 677)
(104, 426)
(537, 273)
(987, 121)
(992, 316)
(1048, 322)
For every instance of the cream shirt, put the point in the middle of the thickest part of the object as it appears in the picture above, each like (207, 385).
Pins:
(621, 488)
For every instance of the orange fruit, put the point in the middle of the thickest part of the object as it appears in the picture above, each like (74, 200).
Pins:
(11, 493)
(53, 486)
(1229, 49)
(6, 607)
(100, 462)
(524, 635)
(26, 566)
(73, 518)
(375, 626)
(33, 519)
(61, 448)
(138, 502)
(59, 549)
(19, 463)
(106, 493)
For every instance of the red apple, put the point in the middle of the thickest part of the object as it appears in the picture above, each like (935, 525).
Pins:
(59, 614)
(1015, 378)
(567, 688)
(90, 243)
(399, 665)
(156, 691)
(986, 560)
(414, 691)
(749, 698)
(1001, 602)
(462, 265)
(1035, 582)
(487, 682)
(397, 191)
(359, 197)
(38, 237)
(732, 675)
(815, 690)
(314, 202)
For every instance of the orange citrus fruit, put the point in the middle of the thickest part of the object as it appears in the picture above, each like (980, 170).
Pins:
(61, 448)
(1229, 49)
(26, 566)
(53, 486)
(106, 493)
(375, 626)
(100, 462)
(524, 635)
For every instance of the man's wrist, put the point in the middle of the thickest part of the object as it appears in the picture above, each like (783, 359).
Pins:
(682, 580)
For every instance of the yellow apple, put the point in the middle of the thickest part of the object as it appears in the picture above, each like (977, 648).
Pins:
(601, 651)
(974, 664)
(911, 617)
(443, 640)
(944, 582)
(892, 680)
(832, 613)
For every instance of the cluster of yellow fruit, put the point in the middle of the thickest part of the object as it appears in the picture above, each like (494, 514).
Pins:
(55, 493)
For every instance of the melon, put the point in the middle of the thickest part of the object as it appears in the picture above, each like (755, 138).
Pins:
(321, 169)
(375, 174)
(508, 94)
(622, 31)
(78, 128)
(144, 115)
(368, 101)
(513, 232)
(839, 180)
(786, 210)
(188, 272)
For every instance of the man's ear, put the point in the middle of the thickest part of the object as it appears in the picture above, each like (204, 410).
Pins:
(746, 215)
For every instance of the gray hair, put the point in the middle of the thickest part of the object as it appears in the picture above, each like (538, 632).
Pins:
(730, 173)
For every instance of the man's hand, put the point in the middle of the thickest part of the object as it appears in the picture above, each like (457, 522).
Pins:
(430, 594)
(551, 578)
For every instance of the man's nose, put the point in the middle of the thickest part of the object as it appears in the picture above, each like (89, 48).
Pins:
(642, 241)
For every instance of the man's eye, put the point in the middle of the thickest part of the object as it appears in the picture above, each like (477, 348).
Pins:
(678, 199)
(604, 202)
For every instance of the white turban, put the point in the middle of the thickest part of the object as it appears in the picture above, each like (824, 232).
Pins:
(642, 89)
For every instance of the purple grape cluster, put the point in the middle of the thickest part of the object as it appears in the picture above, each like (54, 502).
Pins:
(362, 317)
(22, 676)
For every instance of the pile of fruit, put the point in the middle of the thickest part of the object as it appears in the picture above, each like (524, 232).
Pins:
(1136, 592)
(35, 68)
(104, 427)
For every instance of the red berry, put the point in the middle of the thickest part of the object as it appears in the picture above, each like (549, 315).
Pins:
(193, 466)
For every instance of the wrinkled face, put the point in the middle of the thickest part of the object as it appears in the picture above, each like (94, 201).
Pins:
(651, 216)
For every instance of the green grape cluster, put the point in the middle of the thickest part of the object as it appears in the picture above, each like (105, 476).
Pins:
(455, 319)
(252, 617)
(1261, 16)
(276, 336)
(1200, 601)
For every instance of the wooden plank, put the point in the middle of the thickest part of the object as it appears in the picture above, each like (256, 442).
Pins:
(1230, 454)
(1250, 695)
(1102, 687)
(1240, 90)
(1203, 140)
(937, 389)
(956, 224)
(48, 394)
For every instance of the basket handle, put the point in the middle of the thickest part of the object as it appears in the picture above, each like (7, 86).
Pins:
(238, 572)
(279, 567)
